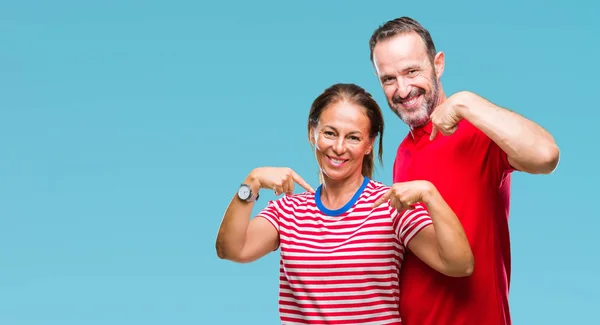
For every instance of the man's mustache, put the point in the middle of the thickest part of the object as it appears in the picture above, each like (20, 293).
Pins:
(415, 92)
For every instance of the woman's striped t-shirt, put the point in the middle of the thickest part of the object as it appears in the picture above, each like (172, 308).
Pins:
(342, 266)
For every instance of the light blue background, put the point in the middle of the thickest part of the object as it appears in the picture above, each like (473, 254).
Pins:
(126, 127)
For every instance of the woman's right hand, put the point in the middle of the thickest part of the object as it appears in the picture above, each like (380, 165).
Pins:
(279, 179)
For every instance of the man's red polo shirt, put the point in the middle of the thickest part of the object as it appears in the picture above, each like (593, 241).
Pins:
(473, 175)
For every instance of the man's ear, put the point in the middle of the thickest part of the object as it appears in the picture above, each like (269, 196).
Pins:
(439, 63)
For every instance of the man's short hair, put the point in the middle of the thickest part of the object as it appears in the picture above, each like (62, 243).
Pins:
(402, 25)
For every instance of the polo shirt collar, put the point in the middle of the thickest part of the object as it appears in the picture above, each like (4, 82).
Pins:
(419, 132)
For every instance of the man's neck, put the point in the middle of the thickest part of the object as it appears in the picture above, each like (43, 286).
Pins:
(441, 96)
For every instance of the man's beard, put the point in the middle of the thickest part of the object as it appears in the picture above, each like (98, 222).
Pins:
(418, 116)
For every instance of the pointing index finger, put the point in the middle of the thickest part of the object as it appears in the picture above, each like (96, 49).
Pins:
(301, 182)
(434, 132)
(382, 199)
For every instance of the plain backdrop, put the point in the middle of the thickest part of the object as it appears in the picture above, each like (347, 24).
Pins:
(127, 126)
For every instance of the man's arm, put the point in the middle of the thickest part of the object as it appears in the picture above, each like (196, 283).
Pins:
(529, 147)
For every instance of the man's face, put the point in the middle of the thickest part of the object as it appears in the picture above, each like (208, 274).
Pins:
(408, 77)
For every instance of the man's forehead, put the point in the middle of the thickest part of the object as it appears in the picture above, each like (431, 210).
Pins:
(399, 48)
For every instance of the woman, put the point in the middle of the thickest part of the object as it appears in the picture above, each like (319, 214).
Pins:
(342, 245)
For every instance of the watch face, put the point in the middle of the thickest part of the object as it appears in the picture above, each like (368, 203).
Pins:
(244, 192)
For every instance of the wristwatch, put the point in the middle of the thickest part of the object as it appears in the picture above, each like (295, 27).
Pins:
(245, 193)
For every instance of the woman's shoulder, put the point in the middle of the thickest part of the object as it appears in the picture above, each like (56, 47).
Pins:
(295, 200)
(377, 186)
(374, 190)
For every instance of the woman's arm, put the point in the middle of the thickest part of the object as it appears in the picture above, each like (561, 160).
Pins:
(440, 240)
(444, 246)
(243, 240)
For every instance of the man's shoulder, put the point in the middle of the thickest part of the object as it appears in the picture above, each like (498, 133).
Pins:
(470, 139)
(405, 141)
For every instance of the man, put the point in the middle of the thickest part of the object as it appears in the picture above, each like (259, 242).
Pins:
(467, 147)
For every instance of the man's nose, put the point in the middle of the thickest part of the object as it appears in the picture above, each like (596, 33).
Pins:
(403, 88)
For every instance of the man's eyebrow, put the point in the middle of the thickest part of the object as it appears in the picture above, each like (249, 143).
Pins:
(385, 76)
(412, 67)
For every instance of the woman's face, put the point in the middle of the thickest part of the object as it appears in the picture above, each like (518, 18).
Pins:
(341, 140)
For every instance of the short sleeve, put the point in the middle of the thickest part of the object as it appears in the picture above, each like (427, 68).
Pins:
(408, 223)
(500, 158)
(271, 213)
(497, 158)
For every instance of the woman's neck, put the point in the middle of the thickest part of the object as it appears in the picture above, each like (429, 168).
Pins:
(335, 194)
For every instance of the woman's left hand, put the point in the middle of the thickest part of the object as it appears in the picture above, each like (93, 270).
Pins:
(405, 194)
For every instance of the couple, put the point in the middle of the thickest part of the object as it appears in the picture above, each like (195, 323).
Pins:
(434, 247)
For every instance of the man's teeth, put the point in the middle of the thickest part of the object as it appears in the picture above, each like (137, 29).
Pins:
(411, 101)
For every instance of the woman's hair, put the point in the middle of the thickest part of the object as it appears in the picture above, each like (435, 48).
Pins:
(356, 95)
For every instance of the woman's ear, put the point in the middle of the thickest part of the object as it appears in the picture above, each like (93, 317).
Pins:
(311, 137)
(370, 147)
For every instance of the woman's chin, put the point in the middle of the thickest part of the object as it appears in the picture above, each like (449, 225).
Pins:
(336, 175)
